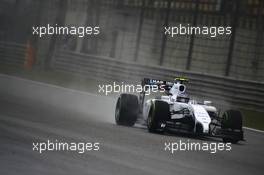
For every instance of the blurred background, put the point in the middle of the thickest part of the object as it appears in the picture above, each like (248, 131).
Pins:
(132, 45)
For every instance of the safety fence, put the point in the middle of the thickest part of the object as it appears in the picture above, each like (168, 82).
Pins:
(133, 30)
(12, 54)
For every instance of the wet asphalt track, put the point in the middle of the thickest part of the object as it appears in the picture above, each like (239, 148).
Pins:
(123, 150)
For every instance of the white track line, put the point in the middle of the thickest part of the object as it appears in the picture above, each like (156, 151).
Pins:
(255, 130)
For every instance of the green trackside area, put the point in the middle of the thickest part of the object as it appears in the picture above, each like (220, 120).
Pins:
(252, 119)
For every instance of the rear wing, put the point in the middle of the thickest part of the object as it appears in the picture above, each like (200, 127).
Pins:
(166, 84)
(163, 85)
(155, 82)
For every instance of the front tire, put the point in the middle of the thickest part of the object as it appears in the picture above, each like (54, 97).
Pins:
(232, 120)
(127, 110)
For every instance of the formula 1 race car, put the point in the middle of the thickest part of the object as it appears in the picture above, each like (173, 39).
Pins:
(173, 110)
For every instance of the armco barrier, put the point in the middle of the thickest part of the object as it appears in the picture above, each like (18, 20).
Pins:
(231, 92)
(12, 54)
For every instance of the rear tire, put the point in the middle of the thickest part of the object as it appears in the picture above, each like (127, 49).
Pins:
(158, 114)
(127, 110)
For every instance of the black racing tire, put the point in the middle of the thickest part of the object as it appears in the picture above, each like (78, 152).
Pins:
(159, 113)
(232, 119)
(199, 129)
(127, 110)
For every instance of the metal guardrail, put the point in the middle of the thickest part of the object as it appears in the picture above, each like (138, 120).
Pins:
(12, 54)
(233, 92)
